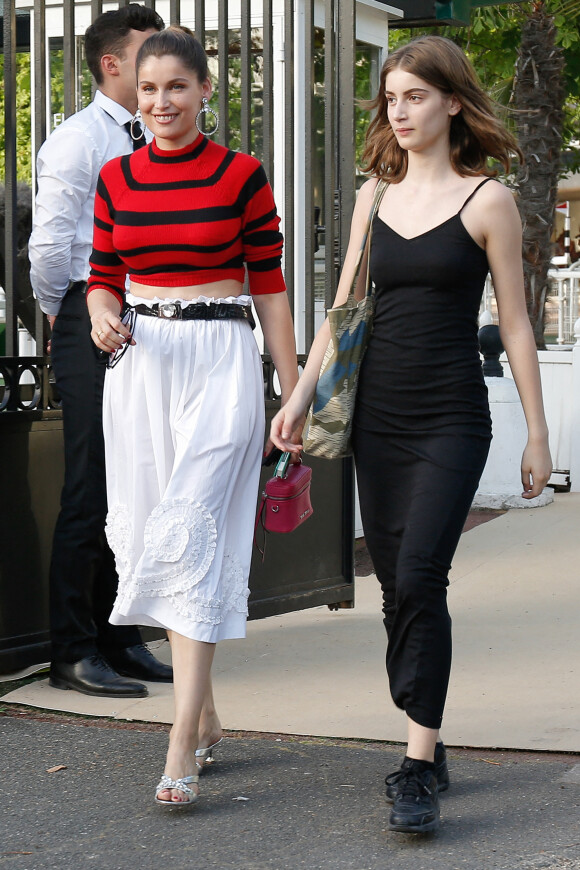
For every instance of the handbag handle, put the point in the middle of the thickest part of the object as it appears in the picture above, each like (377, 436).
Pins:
(281, 469)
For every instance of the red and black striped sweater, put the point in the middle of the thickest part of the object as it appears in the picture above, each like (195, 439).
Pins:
(185, 217)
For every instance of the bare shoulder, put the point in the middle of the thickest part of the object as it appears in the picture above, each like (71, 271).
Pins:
(364, 199)
(495, 195)
(497, 212)
(367, 191)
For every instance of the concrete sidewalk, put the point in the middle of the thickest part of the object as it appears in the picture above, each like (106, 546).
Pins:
(514, 601)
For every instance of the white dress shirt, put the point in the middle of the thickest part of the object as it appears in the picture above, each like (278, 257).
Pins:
(68, 168)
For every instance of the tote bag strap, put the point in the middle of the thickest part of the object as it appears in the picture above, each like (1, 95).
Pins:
(379, 193)
(380, 188)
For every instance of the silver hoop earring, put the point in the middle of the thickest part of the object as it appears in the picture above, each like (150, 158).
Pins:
(136, 127)
(206, 109)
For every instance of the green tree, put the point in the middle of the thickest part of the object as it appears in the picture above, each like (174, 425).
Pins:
(23, 154)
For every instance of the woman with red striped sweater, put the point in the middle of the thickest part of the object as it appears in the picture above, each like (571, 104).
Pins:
(183, 406)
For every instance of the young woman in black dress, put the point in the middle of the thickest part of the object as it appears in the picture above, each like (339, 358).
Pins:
(422, 425)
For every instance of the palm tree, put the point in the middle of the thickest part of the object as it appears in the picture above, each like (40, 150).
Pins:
(538, 97)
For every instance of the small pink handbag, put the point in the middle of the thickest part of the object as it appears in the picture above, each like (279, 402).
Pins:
(285, 502)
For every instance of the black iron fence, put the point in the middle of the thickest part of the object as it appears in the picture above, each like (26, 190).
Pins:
(285, 91)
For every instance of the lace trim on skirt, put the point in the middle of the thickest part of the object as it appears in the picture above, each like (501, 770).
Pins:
(180, 543)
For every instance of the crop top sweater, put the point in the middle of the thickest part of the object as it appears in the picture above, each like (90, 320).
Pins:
(185, 217)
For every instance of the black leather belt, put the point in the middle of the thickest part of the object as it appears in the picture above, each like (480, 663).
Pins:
(196, 311)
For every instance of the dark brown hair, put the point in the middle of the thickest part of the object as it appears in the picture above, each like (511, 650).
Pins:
(109, 32)
(179, 42)
(476, 134)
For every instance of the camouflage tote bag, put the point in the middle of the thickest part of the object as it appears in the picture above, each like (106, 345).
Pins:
(329, 423)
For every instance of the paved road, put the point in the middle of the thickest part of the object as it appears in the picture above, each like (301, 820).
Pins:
(314, 804)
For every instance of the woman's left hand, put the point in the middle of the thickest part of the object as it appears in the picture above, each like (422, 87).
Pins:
(536, 467)
(286, 429)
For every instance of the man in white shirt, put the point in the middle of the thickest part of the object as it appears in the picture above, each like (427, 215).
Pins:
(88, 654)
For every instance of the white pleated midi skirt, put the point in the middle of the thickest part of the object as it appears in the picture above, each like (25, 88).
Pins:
(183, 419)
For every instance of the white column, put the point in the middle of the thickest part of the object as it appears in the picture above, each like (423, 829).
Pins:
(300, 146)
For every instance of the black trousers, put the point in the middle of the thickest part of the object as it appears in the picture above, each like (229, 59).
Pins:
(415, 493)
(83, 580)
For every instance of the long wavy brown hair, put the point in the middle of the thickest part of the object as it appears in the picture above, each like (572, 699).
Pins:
(476, 134)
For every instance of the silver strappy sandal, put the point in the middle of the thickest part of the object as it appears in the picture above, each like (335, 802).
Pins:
(183, 785)
(206, 755)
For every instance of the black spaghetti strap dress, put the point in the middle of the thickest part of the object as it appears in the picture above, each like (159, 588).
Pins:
(421, 436)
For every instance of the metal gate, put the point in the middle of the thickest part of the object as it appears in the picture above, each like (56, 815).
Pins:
(276, 75)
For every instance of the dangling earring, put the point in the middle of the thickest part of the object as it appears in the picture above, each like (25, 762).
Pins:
(206, 109)
(137, 125)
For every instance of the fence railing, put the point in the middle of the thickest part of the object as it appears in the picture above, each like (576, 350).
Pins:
(276, 66)
(564, 303)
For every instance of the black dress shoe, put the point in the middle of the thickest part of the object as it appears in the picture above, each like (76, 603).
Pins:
(416, 806)
(393, 780)
(139, 662)
(94, 676)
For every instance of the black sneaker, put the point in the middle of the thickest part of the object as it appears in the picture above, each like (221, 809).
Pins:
(416, 805)
(441, 772)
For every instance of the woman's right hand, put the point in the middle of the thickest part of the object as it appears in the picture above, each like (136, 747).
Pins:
(108, 332)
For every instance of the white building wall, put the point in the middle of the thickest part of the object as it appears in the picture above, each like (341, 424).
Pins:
(557, 375)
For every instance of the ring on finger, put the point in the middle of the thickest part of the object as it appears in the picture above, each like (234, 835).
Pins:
(99, 333)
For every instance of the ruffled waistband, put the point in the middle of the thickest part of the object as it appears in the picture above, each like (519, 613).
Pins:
(131, 299)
